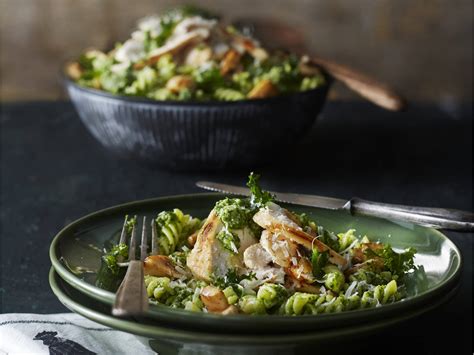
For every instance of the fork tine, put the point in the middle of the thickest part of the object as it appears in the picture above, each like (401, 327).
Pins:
(123, 235)
(143, 246)
(154, 238)
(133, 243)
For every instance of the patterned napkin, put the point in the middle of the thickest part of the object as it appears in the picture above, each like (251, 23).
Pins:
(65, 334)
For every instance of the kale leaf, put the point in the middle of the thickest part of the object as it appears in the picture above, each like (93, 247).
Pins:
(231, 278)
(319, 260)
(396, 263)
(117, 254)
(259, 198)
(328, 238)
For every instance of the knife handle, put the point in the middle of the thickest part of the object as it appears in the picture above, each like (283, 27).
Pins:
(438, 218)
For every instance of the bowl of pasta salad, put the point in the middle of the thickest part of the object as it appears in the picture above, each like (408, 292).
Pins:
(188, 91)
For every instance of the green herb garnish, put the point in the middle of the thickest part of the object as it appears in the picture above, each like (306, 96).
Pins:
(117, 254)
(259, 197)
(232, 277)
(319, 260)
(396, 263)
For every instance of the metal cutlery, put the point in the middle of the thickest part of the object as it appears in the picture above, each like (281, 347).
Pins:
(439, 218)
(131, 298)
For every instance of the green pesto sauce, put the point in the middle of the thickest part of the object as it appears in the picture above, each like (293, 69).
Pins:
(234, 213)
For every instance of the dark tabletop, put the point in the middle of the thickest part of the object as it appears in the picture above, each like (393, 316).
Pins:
(53, 171)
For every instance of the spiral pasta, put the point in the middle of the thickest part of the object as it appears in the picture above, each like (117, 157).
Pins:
(334, 278)
(272, 295)
(250, 304)
(172, 228)
(228, 94)
(231, 294)
(157, 287)
(307, 303)
(193, 302)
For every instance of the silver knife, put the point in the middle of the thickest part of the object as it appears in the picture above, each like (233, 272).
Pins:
(439, 218)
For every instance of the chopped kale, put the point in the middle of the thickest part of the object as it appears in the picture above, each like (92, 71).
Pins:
(396, 263)
(117, 254)
(259, 197)
(328, 238)
(229, 240)
(319, 260)
(232, 277)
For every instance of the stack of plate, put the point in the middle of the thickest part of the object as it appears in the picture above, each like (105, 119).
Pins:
(76, 256)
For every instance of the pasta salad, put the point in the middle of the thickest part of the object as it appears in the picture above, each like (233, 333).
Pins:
(252, 256)
(189, 54)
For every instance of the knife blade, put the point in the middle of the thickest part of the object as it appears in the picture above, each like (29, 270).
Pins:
(440, 218)
(298, 199)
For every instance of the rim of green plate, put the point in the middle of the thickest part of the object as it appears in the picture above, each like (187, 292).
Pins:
(152, 331)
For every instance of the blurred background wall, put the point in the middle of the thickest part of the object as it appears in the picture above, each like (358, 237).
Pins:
(423, 48)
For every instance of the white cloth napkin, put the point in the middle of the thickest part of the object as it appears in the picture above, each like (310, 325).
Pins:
(65, 334)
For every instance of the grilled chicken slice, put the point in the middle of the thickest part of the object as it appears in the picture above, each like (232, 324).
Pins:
(174, 45)
(276, 219)
(198, 56)
(285, 253)
(250, 46)
(209, 257)
(256, 257)
(302, 270)
(282, 251)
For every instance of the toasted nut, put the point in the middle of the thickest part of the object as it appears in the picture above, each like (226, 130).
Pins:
(160, 265)
(214, 299)
(74, 70)
(179, 82)
(230, 310)
(230, 61)
(264, 88)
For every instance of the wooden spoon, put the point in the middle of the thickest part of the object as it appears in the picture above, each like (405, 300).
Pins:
(281, 35)
(367, 87)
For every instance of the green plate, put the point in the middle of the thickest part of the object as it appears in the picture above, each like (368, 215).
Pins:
(75, 254)
(169, 340)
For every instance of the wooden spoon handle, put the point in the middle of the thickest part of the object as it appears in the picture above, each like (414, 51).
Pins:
(365, 86)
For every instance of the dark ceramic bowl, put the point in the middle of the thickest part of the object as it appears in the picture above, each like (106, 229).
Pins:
(197, 135)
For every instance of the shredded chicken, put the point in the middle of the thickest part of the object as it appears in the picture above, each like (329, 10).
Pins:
(275, 219)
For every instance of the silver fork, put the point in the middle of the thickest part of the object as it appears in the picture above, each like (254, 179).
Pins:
(131, 298)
